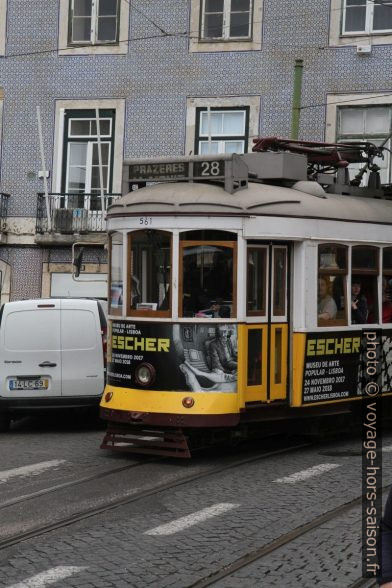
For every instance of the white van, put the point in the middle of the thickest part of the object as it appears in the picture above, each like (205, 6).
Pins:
(52, 355)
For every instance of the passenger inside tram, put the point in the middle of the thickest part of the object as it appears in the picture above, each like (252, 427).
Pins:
(359, 304)
(326, 305)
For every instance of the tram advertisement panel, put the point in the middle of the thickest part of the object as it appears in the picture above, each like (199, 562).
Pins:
(334, 362)
(199, 357)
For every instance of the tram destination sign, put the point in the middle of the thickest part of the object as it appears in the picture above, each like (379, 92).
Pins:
(228, 169)
(153, 172)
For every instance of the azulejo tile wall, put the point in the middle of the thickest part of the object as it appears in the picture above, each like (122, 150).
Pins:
(155, 78)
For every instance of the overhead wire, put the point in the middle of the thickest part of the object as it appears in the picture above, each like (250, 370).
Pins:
(181, 34)
(186, 35)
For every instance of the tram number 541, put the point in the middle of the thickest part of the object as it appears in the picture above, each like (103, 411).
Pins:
(208, 168)
(145, 220)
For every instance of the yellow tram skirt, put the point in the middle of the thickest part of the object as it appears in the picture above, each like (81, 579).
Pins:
(130, 399)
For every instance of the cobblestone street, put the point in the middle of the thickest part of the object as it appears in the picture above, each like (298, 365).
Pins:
(189, 531)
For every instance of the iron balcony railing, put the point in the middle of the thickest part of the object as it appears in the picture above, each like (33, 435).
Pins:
(73, 213)
(3, 209)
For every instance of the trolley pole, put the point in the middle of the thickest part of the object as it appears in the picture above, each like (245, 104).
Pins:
(297, 91)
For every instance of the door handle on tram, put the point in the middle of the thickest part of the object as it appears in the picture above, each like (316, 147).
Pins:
(47, 364)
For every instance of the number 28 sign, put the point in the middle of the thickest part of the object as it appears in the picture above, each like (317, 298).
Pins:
(209, 169)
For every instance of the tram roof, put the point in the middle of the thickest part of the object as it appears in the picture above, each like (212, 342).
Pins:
(201, 199)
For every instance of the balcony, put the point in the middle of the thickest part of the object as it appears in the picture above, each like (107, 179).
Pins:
(74, 217)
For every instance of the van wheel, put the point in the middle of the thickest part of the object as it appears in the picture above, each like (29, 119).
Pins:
(5, 422)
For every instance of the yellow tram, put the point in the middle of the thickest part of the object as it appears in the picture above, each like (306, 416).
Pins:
(231, 293)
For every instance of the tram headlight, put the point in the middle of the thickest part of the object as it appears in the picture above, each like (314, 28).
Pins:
(145, 374)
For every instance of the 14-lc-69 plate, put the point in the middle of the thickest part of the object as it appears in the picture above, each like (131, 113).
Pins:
(29, 384)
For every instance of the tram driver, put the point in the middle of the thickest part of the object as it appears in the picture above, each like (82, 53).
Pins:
(326, 306)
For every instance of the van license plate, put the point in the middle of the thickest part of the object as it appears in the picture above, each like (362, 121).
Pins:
(41, 384)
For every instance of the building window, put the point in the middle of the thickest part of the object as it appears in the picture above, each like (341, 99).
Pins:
(81, 175)
(367, 123)
(226, 25)
(222, 130)
(367, 16)
(93, 21)
(226, 19)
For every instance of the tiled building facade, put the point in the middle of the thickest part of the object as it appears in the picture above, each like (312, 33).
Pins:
(153, 69)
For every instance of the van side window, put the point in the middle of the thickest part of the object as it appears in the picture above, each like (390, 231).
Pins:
(331, 292)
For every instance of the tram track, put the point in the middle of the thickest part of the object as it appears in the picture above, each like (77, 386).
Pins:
(364, 583)
(123, 501)
(282, 541)
(72, 483)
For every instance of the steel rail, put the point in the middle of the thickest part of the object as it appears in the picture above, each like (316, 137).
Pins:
(92, 477)
(364, 583)
(281, 541)
(65, 522)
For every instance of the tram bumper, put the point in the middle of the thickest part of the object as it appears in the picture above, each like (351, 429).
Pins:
(169, 419)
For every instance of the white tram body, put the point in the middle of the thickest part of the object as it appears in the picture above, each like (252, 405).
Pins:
(214, 309)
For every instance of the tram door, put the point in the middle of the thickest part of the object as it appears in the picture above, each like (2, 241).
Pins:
(265, 336)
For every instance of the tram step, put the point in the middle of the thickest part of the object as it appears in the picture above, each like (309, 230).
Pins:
(170, 443)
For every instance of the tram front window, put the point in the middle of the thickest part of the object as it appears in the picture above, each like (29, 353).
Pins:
(208, 270)
(150, 272)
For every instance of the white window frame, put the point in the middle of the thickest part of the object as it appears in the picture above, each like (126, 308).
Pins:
(94, 25)
(89, 166)
(368, 21)
(118, 134)
(220, 137)
(221, 146)
(337, 36)
(252, 102)
(102, 135)
(336, 101)
(119, 47)
(205, 112)
(199, 44)
(227, 22)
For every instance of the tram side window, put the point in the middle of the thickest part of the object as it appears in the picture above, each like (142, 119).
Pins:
(332, 275)
(279, 288)
(116, 273)
(387, 285)
(256, 280)
(207, 288)
(149, 277)
(364, 291)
